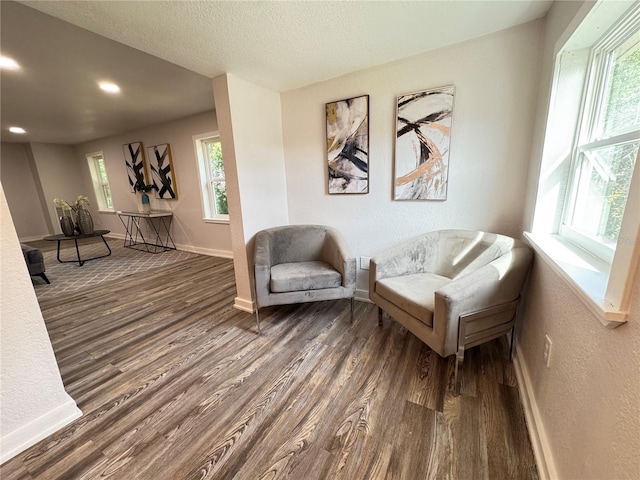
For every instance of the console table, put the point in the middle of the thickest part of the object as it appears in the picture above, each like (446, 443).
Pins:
(62, 237)
(155, 238)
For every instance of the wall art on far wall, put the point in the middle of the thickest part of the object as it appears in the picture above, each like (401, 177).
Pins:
(162, 174)
(423, 136)
(348, 145)
(134, 160)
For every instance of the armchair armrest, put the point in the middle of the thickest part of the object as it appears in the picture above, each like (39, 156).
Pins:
(262, 265)
(337, 253)
(493, 284)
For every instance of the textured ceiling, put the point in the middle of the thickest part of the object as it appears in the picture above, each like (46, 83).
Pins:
(278, 45)
(286, 45)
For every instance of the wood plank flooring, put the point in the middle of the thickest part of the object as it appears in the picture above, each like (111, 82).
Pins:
(174, 383)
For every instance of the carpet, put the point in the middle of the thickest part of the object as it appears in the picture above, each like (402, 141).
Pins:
(66, 278)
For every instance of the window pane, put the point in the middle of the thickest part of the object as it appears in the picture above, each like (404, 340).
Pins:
(107, 195)
(622, 111)
(215, 160)
(102, 171)
(603, 186)
(220, 196)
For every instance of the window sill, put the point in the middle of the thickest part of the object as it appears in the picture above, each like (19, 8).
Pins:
(112, 212)
(585, 275)
(222, 221)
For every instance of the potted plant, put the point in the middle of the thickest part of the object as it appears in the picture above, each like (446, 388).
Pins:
(142, 192)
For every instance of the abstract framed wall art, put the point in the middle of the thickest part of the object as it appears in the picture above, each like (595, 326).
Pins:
(135, 162)
(162, 174)
(423, 136)
(348, 145)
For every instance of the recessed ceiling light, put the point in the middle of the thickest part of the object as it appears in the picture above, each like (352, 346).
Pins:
(18, 130)
(109, 87)
(8, 63)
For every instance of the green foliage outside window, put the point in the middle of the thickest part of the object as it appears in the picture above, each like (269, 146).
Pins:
(216, 168)
(623, 111)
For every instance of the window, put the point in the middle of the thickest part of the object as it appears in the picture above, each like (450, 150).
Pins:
(587, 211)
(607, 146)
(100, 181)
(212, 180)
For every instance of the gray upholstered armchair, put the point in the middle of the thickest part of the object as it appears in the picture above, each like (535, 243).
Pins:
(302, 263)
(453, 289)
(35, 261)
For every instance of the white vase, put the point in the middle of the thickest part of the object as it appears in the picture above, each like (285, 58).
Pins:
(144, 202)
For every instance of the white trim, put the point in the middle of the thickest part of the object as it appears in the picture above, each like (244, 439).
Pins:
(542, 450)
(186, 248)
(33, 238)
(205, 251)
(362, 295)
(585, 275)
(117, 236)
(28, 435)
(218, 220)
(244, 305)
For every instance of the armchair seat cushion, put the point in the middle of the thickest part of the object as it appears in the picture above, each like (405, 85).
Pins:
(414, 293)
(301, 276)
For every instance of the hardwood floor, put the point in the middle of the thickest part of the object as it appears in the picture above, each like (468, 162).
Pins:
(175, 383)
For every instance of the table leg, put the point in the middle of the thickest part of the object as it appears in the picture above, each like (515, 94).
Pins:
(108, 247)
(80, 262)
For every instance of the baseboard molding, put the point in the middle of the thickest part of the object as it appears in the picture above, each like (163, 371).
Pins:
(243, 304)
(537, 433)
(33, 238)
(117, 236)
(211, 252)
(28, 435)
(362, 296)
(205, 251)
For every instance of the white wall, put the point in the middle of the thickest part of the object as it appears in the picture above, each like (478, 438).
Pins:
(588, 402)
(189, 230)
(59, 175)
(33, 403)
(251, 133)
(22, 193)
(495, 80)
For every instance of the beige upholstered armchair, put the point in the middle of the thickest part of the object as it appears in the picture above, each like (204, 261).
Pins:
(302, 263)
(453, 289)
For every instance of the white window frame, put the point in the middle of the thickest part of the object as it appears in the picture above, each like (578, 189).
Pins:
(604, 288)
(93, 160)
(589, 134)
(207, 195)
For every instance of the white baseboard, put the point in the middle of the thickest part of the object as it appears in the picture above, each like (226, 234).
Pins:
(537, 433)
(362, 296)
(243, 304)
(118, 236)
(205, 251)
(13, 443)
(33, 238)
(187, 248)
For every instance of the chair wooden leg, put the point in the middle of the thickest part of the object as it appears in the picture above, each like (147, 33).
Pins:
(380, 316)
(512, 348)
(351, 319)
(457, 375)
(258, 319)
(44, 277)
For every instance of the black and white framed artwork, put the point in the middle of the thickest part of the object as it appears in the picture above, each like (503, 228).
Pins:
(161, 168)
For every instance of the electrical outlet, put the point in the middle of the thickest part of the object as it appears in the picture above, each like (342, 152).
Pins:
(364, 263)
(547, 350)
